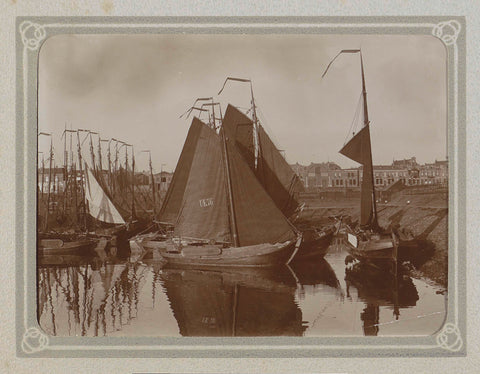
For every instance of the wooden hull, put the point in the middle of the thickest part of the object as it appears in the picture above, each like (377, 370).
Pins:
(314, 245)
(378, 251)
(213, 255)
(47, 247)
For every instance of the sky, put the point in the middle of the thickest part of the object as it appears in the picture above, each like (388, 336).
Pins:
(135, 87)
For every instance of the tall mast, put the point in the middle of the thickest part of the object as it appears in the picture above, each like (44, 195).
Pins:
(43, 173)
(254, 116)
(82, 187)
(366, 123)
(49, 178)
(65, 155)
(133, 184)
(152, 179)
(233, 221)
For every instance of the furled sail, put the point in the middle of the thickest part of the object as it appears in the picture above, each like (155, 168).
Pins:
(176, 190)
(203, 212)
(258, 219)
(359, 149)
(99, 205)
(274, 173)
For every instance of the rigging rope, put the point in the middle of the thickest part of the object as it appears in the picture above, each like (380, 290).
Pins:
(354, 124)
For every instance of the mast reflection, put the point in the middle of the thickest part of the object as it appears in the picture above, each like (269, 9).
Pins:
(87, 297)
(233, 302)
(379, 288)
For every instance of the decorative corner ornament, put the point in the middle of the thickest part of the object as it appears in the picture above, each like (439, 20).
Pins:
(34, 340)
(33, 34)
(447, 31)
(449, 338)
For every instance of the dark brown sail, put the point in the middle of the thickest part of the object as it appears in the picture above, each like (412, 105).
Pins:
(174, 197)
(258, 219)
(239, 128)
(203, 212)
(359, 149)
(273, 171)
(280, 181)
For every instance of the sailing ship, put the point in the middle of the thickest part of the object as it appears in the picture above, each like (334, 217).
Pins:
(99, 207)
(368, 242)
(273, 172)
(219, 212)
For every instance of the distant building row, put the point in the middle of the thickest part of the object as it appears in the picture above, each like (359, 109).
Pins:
(330, 175)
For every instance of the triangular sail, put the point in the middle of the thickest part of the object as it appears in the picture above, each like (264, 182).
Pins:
(359, 149)
(100, 206)
(280, 181)
(258, 219)
(173, 200)
(274, 173)
(203, 213)
(239, 128)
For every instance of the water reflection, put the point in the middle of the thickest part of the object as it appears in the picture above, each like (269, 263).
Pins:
(379, 288)
(80, 296)
(246, 302)
(88, 298)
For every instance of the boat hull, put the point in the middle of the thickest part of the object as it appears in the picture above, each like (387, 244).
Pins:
(213, 255)
(379, 252)
(47, 247)
(314, 245)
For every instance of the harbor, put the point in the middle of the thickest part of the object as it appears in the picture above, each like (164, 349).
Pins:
(232, 239)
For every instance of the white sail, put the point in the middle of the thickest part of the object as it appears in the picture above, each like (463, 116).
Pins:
(99, 205)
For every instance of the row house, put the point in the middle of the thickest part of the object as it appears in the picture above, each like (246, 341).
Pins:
(408, 171)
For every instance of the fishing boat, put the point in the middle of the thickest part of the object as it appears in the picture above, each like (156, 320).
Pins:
(276, 176)
(220, 213)
(99, 207)
(367, 242)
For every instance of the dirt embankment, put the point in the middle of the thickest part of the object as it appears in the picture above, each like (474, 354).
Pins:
(423, 214)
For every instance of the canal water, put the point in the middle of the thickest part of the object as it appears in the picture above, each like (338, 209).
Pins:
(324, 297)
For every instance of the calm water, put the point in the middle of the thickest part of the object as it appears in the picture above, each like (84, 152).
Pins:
(319, 298)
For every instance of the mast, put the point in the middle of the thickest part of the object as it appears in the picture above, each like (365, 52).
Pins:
(43, 173)
(367, 161)
(233, 222)
(49, 177)
(366, 123)
(133, 184)
(65, 155)
(79, 151)
(152, 179)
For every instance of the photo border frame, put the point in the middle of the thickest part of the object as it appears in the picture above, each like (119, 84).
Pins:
(31, 341)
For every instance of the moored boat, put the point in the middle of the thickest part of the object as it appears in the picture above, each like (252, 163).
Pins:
(221, 214)
(275, 175)
(368, 242)
(61, 247)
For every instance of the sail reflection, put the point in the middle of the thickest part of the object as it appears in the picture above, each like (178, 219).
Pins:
(89, 298)
(233, 302)
(378, 288)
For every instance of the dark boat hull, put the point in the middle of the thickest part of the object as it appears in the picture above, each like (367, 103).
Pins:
(314, 245)
(212, 255)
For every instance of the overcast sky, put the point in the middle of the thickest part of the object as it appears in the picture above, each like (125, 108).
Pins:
(134, 88)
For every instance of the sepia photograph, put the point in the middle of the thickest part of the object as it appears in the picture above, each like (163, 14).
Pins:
(242, 185)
